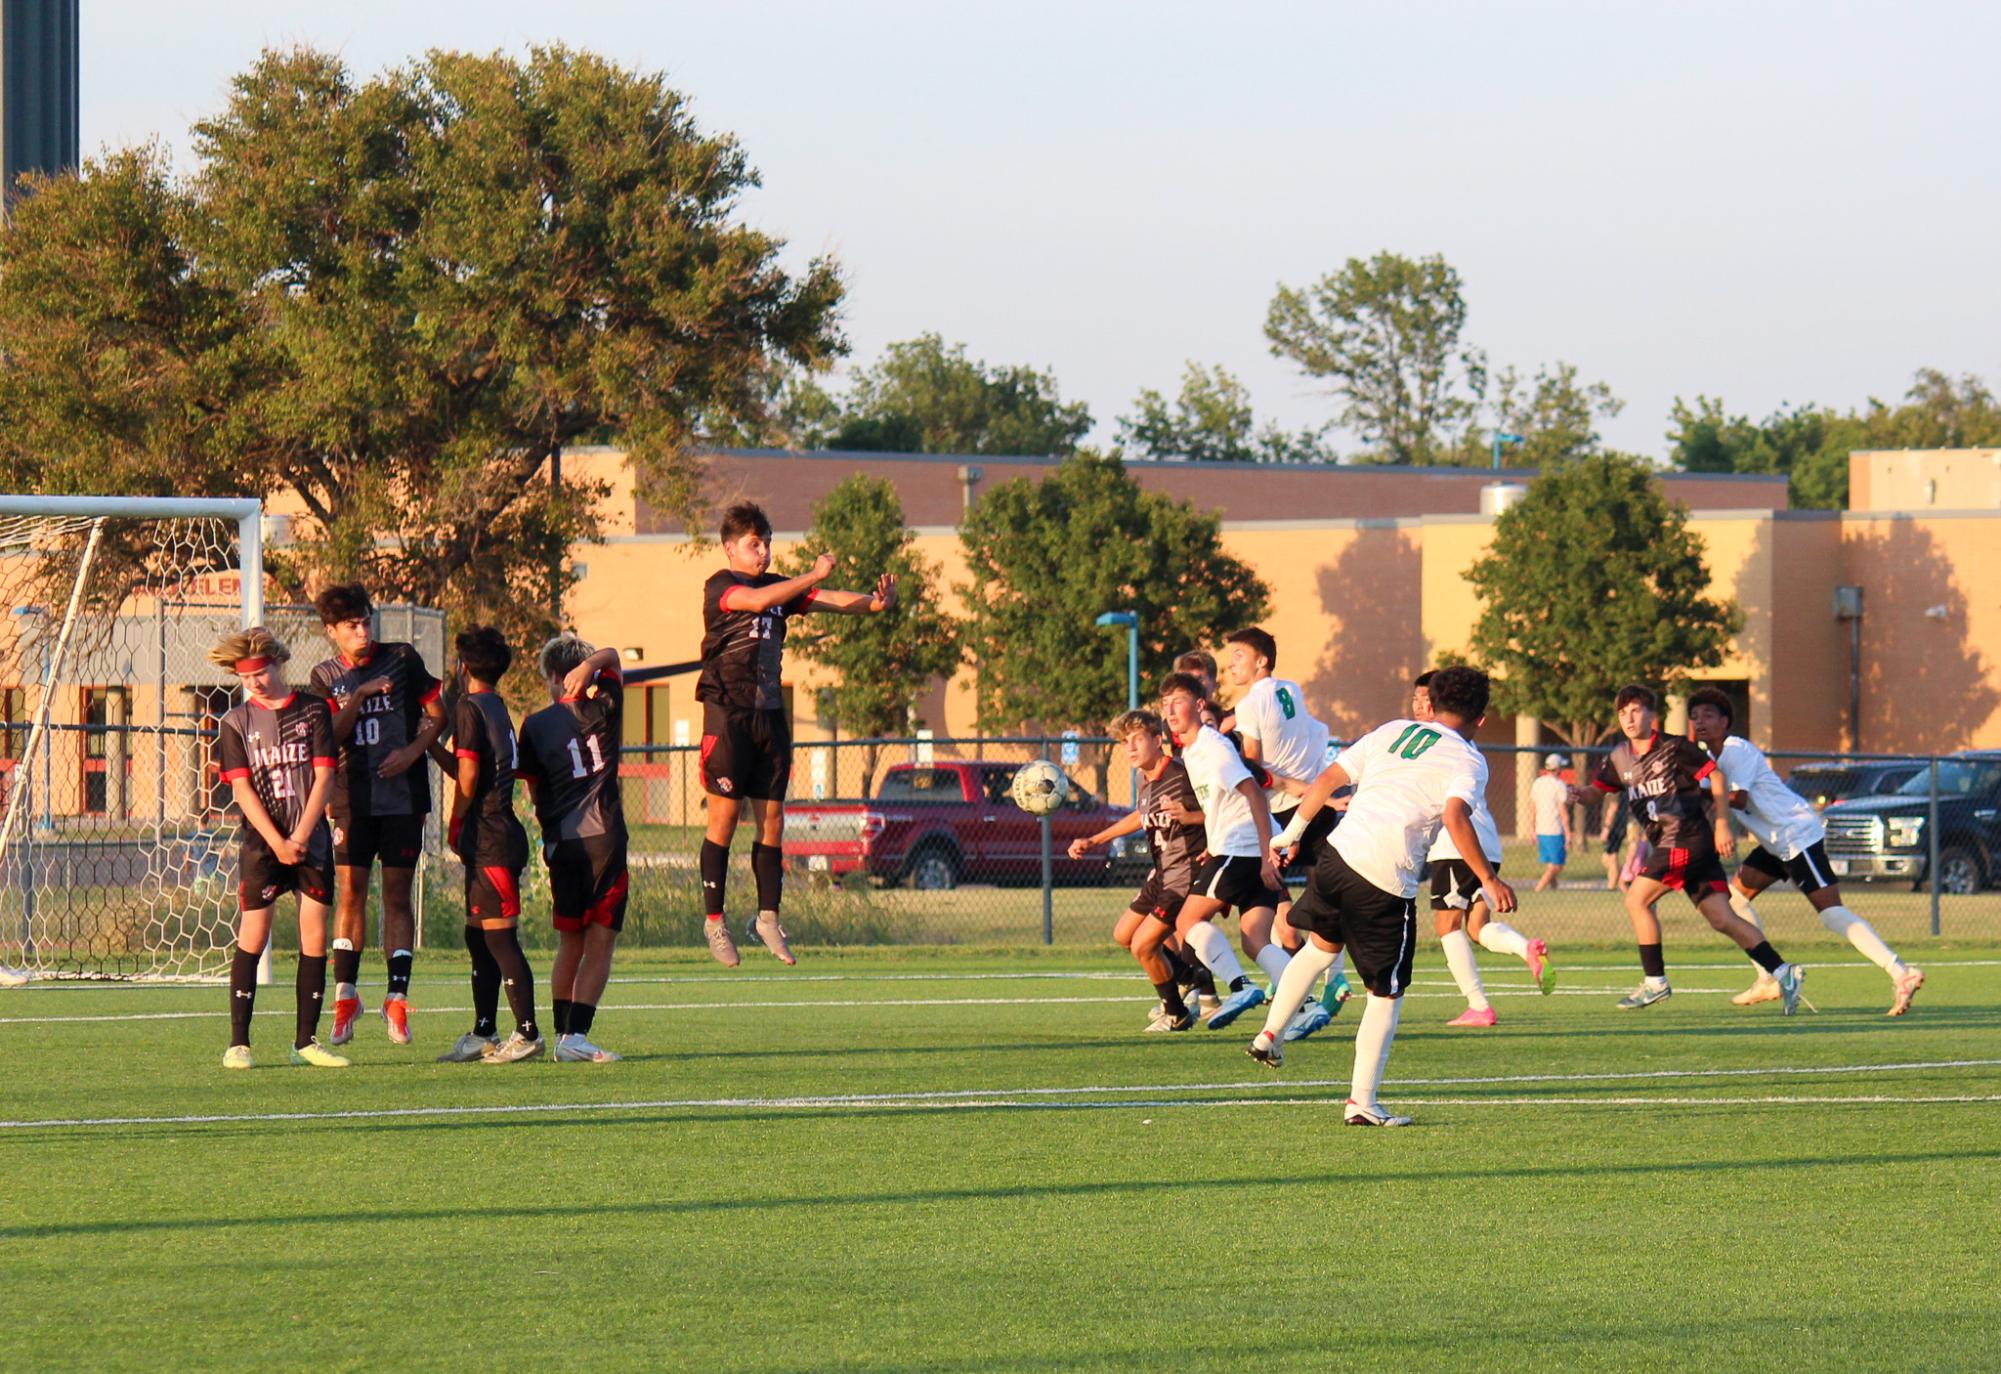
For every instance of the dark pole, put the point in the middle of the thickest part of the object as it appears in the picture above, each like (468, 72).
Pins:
(1048, 884)
(1855, 685)
(556, 572)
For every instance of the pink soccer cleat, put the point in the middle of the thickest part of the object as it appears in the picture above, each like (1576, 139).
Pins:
(1469, 1017)
(1539, 967)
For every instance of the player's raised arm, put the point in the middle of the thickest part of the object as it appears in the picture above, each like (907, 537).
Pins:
(1124, 825)
(756, 599)
(1331, 780)
(883, 598)
(578, 680)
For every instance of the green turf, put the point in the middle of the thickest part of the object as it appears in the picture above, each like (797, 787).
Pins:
(1593, 1223)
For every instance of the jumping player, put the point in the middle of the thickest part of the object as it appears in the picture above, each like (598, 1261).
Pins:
(1410, 778)
(1791, 844)
(569, 759)
(1169, 813)
(494, 848)
(1459, 908)
(276, 750)
(746, 740)
(386, 717)
(1669, 784)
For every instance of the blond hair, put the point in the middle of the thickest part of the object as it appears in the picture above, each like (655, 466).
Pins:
(1131, 721)
(255, 642)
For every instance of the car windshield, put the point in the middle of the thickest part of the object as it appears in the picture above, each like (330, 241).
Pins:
(1956, 778)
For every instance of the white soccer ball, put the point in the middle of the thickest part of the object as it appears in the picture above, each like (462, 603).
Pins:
(1039, 788)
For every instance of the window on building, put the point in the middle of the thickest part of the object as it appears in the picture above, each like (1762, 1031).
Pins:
(106, 750)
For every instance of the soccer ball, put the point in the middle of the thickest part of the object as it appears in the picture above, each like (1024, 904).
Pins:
(1039, 788)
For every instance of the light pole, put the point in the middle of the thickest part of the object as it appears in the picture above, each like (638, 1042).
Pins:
(1499, 439)
(1129, 619)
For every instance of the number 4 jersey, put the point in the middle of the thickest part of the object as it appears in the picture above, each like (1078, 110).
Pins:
(1404, 773)
(569, 751)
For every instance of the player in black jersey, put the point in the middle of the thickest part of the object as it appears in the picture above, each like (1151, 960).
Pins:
(1670, 785)
(746, 740)
(1172, 818)
(386, 717)
(494, 849)
(569, 759)
(276, 752)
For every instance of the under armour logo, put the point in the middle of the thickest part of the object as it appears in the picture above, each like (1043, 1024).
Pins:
(246, 996)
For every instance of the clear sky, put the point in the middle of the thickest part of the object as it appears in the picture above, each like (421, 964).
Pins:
(1766, 202)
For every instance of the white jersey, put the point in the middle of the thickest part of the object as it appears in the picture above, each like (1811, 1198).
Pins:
(1443, 850)
(1215, 768)
(1547, 798)
(1783, 821)
(1404, 773)
(1291, 743)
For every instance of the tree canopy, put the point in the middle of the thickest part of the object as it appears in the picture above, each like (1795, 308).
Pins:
(1211, 421)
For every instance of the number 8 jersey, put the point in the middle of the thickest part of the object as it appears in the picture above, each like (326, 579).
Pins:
(569, 750)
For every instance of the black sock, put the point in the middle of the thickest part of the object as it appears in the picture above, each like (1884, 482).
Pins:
(242, 995)
(562, 1007)
(485, 983)
(715, 876)
(516, 979)
(581, 1016)
(1764, 956)
(1239, 984)
(399, 973)
(312, 989)
(347, 966)
(1652, 962)
(767, 865)
(1170, 997)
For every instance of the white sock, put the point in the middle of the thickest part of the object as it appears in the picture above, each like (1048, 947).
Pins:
(1741, 904)
(1372, 1047)
(1340, 961)
(1289, 994)
(1465, 972)
(1863, 936)
(1498, 937)
(1272, 960)
(1213, 949)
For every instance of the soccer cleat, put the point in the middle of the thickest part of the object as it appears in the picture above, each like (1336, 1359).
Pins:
(1483, 1016)
(514, 1049)
(1235, 1005)
(720, 944)
(1266, 1050)
(1164, 1021)
(766, 931)
(347, 1010)
(1540, 968)
(1358, 1115)
(1791, 978)
(1908, 983)
(236, 1057)
(1645, 995)
(396, 1012)
(1205, 1005)
(575, 1049)
(1766, 989)
(1310, 1017)
(1339, 990)
(317, 1055)
(469, 1049)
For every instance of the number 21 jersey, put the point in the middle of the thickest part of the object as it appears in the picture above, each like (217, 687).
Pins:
(569, 751)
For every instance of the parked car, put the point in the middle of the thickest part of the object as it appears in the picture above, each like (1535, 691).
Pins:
(1884, 838)
(936, 825)
(1823, 784)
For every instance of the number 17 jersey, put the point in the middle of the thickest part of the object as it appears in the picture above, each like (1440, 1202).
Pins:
(569, 751)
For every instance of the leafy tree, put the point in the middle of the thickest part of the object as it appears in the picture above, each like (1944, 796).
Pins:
(397, 300)
(1556, 415)
(1047, 557)
(884, 662)
(924, 397)
(1211, 422)
(1384, 335)
(1594, 580)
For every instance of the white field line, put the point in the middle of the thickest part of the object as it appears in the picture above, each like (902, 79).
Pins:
(1105, 1095)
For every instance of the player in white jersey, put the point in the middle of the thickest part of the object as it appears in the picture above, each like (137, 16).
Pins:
(1280, 735)
(1790, 845)
(1459, 909)
(1410, 778)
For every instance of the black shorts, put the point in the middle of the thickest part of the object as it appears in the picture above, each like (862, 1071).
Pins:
(493, 892)
(262, 880)
(394, 840)
(745, 753)
(587, 882)
(1236, 881)
(1453, 886)
(1696, 871)
(1377, 928)
(1158, 900)
(1810, 870)
(1315, 835)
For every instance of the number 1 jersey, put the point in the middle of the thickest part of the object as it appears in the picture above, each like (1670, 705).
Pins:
(569, 751)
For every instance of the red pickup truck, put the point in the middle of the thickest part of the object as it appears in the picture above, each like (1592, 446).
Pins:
(936, 825)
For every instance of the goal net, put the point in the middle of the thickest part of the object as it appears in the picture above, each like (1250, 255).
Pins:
(117, 855)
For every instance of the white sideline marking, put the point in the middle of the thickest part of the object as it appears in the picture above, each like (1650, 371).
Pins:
(1015, 1096)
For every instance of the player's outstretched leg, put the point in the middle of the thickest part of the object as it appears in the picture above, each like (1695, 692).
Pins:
(1499, 937)
(1764, 987)
(1315, 957)
(1212, 947)
(1905, 981)
(1715, 908)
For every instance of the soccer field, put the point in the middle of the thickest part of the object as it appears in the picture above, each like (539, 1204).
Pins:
(950, 1160)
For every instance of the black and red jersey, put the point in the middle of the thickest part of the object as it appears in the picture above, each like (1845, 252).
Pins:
(277, 747)
(569, 754)
(1174, 843)
(488, 835)
(382, 726)
(1664, 789)
(741, 650)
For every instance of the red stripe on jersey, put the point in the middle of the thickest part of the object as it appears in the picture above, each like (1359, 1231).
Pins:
(323, 763)
(723, 601)
(1604, 786)
(1677, 872)
(466, 753)
(235, 773)
(432, 695)
(510, 892)
(1708, 767)
(811, 596)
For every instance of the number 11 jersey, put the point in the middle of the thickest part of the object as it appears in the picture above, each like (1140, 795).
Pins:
(569, 750)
